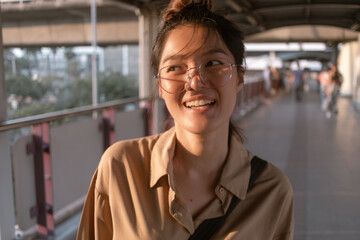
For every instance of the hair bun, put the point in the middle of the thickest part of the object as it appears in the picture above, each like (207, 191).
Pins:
(176, 6)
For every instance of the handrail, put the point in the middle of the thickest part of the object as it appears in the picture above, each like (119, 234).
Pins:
(52, 116)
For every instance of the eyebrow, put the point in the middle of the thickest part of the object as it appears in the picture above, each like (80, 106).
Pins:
(182, 56)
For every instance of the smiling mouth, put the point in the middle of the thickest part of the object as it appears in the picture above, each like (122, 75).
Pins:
(199, 103)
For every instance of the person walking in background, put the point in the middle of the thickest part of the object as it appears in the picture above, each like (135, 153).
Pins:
(298, 83)
(288, 80)
(168, 185)
(333, 90)
(267, 74)
(324, 80)
(275, 84)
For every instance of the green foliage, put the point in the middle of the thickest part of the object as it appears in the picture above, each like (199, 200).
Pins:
(75, 94)
(52, 93)
(115, 86)
(23, 86)
(30, 109)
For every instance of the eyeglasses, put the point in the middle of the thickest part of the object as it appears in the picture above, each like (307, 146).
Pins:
(177, 78)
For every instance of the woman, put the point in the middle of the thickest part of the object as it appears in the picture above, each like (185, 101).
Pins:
(333, 90)
(165, 186)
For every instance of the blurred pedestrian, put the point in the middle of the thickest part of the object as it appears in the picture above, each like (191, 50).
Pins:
(275, 80)
(333, 90)
(267, 74)
(298, 83)
(324, 80)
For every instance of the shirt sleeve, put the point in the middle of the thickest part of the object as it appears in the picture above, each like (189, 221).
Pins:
(285, 221)
(95, 223)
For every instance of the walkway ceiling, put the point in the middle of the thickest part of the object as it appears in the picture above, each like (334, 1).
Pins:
(290, 20)
(262, 20)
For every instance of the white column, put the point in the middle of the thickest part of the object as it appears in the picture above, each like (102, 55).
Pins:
(3, 105)
(94, 56)
(146, 39)
(148, 28)
(356, 79)
(7, 212)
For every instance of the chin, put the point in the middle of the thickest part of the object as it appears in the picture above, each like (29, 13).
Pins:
(199, 128)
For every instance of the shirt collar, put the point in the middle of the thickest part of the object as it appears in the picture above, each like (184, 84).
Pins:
(162, 152)
(236, 172)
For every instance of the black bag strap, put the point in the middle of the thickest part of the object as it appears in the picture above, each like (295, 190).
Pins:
(208, 227)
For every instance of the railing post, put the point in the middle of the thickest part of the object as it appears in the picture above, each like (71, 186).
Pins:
(43, 210)
(7, 210)
(107, 126)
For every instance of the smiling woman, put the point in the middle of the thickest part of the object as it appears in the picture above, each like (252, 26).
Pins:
(170, 186)
(203, 95)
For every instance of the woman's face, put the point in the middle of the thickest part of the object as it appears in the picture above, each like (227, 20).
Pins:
(202, 107)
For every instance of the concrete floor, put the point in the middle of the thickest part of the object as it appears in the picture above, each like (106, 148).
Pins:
(320, 156)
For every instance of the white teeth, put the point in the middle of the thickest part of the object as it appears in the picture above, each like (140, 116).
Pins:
(199, 103)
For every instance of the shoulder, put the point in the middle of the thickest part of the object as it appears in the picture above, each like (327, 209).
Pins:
(119, 151)
(276, 180)
(124, 159)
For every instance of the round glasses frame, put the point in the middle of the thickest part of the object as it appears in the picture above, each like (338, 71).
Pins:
(209, 78)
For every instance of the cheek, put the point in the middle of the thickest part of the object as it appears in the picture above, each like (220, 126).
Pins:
(171, 100)
(230, 94)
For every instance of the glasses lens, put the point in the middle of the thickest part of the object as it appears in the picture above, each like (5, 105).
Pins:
(215, 73)
(172, 79)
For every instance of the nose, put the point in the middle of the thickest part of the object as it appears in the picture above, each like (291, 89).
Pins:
(194, 79)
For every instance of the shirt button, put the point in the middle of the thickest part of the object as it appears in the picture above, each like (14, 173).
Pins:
(221, 190)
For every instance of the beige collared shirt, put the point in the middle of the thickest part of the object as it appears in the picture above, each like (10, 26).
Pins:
(132, 196)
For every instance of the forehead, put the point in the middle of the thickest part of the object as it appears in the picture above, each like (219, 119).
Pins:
(186, 41)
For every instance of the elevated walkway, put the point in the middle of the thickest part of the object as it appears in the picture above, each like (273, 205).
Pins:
(320, 157)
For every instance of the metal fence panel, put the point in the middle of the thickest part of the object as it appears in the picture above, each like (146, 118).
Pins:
(24, 182)
(130, 124)
(75, 149)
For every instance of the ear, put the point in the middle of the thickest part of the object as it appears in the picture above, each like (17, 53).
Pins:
(160, 91)
(240, 80)
(159, 88)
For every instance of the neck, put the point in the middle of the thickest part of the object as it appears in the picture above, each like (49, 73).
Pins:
(194, 151)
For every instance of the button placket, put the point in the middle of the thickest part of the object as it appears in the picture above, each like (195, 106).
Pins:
(221, 193)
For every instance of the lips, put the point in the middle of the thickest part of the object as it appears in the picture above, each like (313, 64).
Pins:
(198, 103)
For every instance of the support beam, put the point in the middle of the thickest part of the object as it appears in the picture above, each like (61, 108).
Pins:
(7, 211)
(148, 26)
(53, 33)
(312, 6)
(246, 9)
(335, 53)
(147, 33)
(94, 82)
(3, 104)
(356, 80)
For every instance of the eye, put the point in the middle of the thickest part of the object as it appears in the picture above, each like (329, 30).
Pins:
(173, 68)
(213, 63)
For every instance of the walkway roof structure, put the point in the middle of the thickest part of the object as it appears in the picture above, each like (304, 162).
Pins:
(262, 20)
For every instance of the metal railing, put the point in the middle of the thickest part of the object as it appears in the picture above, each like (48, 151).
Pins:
(45, 157)
(53, 116)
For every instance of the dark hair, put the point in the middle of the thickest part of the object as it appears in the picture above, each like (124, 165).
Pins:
(198, 13)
